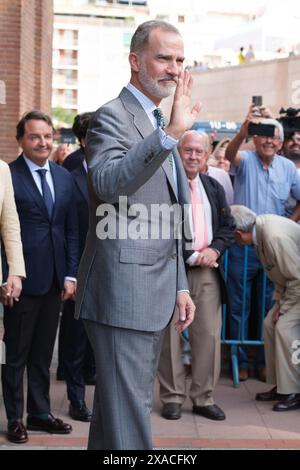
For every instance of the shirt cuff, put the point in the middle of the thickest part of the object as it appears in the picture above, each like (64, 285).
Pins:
(192, 260)
(183, 290)
(166, 140)
(69, 278)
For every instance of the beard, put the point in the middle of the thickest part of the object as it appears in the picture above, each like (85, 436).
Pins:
(156, 87)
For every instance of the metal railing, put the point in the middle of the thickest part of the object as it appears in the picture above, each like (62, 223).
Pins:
(241, 340)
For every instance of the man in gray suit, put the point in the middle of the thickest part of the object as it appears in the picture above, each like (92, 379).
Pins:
(130, 282)
(277, 242)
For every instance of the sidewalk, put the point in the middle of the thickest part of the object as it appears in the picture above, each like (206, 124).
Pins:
(249, 424)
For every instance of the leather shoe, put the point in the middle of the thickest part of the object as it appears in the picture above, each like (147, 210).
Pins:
(16, 432)
(211, 412)
(243, 375)
(291, 402)
(171, 411)
(271, 395)
(51, 425)
(80, 412)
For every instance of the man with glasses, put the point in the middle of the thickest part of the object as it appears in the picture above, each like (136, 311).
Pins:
(264, 181)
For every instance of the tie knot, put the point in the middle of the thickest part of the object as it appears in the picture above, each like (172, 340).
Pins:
(42, 172)
(158, 114)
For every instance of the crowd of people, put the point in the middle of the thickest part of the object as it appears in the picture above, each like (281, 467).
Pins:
(125, 300)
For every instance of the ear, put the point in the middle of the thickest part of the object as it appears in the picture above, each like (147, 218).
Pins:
(134, 61)
(238, 236)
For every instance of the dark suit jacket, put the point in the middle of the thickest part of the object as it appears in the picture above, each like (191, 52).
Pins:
(50, 246)
(81, 198)
(74, 160)
(222, 223)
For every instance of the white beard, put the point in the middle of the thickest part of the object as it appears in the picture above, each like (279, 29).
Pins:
(153, 87)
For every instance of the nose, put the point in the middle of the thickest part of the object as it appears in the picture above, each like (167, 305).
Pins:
(42, 141)
(173, 68)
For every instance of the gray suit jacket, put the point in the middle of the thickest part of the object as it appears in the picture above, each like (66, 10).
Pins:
(278, 247)
(125, 282)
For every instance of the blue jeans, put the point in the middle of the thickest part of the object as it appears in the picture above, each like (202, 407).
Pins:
(235, 293)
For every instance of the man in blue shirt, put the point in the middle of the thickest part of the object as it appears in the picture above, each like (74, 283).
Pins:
(264, 181)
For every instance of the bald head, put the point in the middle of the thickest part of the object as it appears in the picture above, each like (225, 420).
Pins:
(194, 152)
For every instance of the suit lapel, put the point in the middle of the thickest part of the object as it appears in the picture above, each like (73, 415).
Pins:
(140, 118)
(58, 186)
(144, 126)
(211, 196)
(80, 177)
(169, 174)
(30, 185)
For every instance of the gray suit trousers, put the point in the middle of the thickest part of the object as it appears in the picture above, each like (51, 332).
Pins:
(126, 365)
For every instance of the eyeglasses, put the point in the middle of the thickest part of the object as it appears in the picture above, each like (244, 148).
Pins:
(265, 137)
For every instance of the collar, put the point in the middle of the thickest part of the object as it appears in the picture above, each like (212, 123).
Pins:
(273, 162)
(254, 236)
(144, 101)
(33, 166)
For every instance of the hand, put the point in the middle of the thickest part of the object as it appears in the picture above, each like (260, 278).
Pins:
(251, 117)
(11, 291)
(182, 116)
(266, 112)
(69, 290)
(186, 309)
(207, 258)
(276, 314)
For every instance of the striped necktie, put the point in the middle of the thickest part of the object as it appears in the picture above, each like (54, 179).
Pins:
(158, 114)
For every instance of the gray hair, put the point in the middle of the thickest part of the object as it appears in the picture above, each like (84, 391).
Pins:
(244, 218)
(275, 123)
(204, 135)
(140, 39)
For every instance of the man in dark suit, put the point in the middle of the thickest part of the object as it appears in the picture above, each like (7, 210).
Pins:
(80, 126)
(213, 233)
(128, 286)
(44, 194)
(76, 359)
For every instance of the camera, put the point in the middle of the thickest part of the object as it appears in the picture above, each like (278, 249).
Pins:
(290, 120)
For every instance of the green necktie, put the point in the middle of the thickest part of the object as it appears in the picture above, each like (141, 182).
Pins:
(158, 114)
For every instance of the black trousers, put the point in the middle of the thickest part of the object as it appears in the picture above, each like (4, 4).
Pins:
(29, 336)
(73, 344)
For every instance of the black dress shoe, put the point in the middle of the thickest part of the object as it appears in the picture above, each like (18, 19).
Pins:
(171, 411)
(211, 412)
(271, 395)
(291, 402)
(51, 425)
(80, 412)
(16, 432)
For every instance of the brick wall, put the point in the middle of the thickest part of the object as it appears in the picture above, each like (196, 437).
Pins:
(25, 65)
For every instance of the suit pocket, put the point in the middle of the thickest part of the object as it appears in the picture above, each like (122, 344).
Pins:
(138, 256)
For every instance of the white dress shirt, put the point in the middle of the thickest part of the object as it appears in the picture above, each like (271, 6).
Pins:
(148, 106)
(33, 167)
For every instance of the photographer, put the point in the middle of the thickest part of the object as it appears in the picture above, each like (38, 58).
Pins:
(264, 181)
(290, 119)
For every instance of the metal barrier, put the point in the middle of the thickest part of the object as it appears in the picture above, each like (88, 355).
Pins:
(241, 340)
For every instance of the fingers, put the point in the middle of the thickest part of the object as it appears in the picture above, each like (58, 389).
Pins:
(196, 109)
(179, 87)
